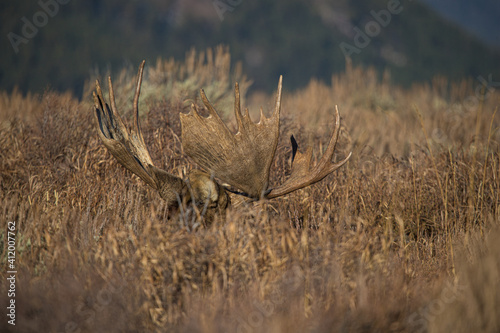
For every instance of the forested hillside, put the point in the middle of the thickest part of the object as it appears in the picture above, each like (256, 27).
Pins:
(59, 44)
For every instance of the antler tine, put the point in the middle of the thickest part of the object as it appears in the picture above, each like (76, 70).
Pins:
(121, 130)
(104, 116)
(136, 99)
(98, 107)
(136, 133)
(112, 98)
(237, 106)
(303, 174)
(277, 107)
(325, 163)
(208, 104)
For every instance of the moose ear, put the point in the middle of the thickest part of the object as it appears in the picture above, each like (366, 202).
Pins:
(295, 146)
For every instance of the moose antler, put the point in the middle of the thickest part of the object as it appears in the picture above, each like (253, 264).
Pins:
(127, 145)
(242, 160)
(303, 173)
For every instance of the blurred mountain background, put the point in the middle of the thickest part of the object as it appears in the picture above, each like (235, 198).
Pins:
(59, 45)
(480, 17)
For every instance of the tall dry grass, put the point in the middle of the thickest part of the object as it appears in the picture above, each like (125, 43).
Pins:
(400, 239)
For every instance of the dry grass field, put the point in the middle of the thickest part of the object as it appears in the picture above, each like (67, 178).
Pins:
(403, 238)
